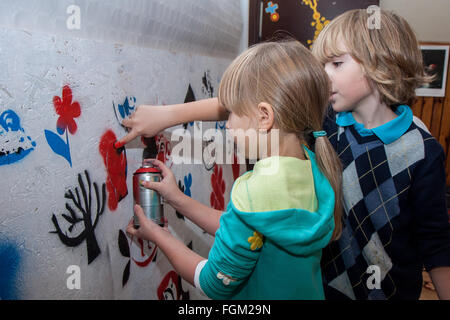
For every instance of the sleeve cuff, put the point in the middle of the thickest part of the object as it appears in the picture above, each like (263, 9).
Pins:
(442, 259)
(198, 270)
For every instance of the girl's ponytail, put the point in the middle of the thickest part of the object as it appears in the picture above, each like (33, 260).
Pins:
(330, 164)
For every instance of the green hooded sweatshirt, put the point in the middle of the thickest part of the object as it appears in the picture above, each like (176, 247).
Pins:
(270, 240)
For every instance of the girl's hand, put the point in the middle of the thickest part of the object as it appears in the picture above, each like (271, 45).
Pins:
(167, 187)
(146, 121)
(147, 227)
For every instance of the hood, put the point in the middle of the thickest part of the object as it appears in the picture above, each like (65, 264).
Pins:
(297, 231)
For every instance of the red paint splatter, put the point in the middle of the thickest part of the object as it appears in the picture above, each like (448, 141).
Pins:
(218, 185)
(147, 261)
(67, 111)
(116, 168)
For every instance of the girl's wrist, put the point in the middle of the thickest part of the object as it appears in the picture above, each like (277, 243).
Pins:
(158, 235)
(178, 200)
(175, 115)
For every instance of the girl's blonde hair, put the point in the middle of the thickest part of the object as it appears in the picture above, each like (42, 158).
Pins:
(287, 76)
(389, 55)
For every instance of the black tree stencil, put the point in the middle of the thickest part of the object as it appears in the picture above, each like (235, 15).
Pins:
(84, 206)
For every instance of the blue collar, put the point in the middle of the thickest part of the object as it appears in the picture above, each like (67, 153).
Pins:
(388, 132)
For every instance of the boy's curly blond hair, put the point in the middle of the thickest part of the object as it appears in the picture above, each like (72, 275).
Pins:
(390, 55)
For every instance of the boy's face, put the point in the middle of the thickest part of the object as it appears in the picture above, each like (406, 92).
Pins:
(350, 87)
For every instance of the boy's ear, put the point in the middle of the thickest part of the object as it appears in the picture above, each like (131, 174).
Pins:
(265, 116)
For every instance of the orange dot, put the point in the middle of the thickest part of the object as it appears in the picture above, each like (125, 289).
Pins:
(275, 17)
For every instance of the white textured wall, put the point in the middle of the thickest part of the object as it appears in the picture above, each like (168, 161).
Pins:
(207, 27)
(103, 75)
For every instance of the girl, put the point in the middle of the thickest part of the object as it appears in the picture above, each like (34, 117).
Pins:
(393, 178)
(268, 242)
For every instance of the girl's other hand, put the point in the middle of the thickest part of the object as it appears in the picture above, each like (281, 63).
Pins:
(146, 121)
(147, 227)
(167, 187)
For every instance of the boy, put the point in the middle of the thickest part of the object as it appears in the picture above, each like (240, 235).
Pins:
(395, 217)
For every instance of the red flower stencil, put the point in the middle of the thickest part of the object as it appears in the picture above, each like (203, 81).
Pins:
(218, 185)
(67, 111)
(116, 167)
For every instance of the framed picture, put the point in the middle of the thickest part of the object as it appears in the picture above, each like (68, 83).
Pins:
(435, 62)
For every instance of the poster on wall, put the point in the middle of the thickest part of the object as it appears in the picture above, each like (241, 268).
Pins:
(435, 63)
(299, 19)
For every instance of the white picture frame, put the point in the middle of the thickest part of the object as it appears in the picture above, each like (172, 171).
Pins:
(435, 62)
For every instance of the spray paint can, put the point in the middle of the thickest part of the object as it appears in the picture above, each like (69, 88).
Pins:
(149, 200)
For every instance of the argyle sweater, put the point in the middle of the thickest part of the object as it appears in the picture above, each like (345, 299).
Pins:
(395, 217)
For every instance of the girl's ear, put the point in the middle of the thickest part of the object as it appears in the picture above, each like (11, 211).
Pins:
(265, 116)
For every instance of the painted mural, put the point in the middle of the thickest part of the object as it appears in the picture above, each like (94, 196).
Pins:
(72, 212)
(14, 143)
(67, 111)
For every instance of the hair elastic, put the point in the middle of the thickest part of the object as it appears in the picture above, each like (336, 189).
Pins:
(319, 134)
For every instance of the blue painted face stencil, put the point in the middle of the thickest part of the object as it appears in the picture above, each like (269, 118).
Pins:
(14, 143)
